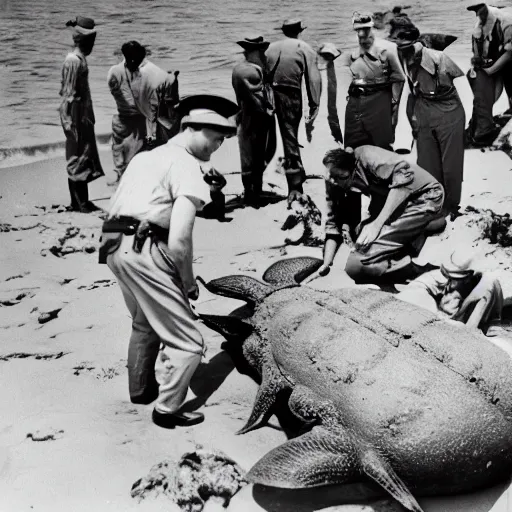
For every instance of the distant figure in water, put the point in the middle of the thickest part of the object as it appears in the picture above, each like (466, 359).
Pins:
(77, 117)
(145, 95)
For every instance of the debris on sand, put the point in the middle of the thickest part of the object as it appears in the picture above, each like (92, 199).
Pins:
(39, 436)
(25, 355)
(196, 477)
(495, 227)
(73, 240)
(48, 315)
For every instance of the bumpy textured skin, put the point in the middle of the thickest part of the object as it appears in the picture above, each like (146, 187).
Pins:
(396, 395)
(430, 398)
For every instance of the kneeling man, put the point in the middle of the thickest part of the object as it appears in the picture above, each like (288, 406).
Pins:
(405, 205)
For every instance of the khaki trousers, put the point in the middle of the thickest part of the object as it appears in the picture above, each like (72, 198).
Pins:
(161, 314)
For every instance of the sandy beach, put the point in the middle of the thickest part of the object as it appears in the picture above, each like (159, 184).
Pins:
(70, 440)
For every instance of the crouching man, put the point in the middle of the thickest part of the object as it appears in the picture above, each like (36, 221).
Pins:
(405, 206)
(147, 243)
(459, 292)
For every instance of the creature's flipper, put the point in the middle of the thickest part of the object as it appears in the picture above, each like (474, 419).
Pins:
(316, 458)
(272, 382)
(230, 327)
(436, 41)
(238, 287)
(381, 471)
(291, 271)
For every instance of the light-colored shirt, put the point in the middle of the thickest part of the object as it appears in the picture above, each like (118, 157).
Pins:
(296, 59)
(140, 92)
(374, 66)
(154, 180)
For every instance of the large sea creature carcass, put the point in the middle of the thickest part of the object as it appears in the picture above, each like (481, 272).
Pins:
(397, 396)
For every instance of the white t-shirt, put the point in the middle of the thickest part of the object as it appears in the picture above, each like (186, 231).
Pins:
(155, 179)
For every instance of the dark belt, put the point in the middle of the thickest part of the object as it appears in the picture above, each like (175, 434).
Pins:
(140, 229)
(355, 91)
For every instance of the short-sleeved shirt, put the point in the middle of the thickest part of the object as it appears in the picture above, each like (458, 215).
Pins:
(377, 171)
(374, 66)
(433, 79)
(154, 180)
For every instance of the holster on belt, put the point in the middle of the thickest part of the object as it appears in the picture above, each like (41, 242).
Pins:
(112, 233)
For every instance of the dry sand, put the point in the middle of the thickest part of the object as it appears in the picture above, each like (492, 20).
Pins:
(64, 382)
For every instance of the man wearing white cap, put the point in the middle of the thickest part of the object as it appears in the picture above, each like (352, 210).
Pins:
(293, 59)
(491, 68)
(147, 243)
(256, 133)
(459, 292)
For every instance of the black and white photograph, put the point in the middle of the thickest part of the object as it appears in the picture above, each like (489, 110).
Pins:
(256, 256)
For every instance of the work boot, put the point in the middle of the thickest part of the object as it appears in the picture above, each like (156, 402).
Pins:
(177, 419)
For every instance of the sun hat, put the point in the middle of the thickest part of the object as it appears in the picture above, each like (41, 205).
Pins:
(253, 43)
(362, 20)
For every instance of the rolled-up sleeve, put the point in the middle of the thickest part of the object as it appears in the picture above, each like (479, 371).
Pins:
(402, 175)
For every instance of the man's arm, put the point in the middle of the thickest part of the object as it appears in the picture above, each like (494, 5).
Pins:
(249, 87)
(499, 64)
(332, 110)
(180, 239)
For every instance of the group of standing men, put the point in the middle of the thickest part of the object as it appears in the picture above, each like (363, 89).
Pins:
(147, 238)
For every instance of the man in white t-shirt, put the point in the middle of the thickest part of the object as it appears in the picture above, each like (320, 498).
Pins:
(147, 243)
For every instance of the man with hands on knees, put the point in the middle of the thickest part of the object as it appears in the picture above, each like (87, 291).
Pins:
(147, 243)
(405, 203)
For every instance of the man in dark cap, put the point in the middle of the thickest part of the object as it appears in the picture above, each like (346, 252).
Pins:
(147, 243)
(77, 117)
(435, 112)
(142, 92)
(491, 69)
(256, 133)
(292, 59)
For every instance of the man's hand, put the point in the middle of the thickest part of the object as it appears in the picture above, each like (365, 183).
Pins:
(309, 130)
(321, 272)
(368, 235)
(193, 292)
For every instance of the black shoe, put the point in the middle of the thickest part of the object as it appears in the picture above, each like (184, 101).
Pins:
(177, 419)
(435, 226)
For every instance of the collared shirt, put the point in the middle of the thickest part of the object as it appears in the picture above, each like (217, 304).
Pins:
(140, 92)
(433, 79)
(249, 86)
(494, 37)
(154, 180)
(296, 59)
(374, 66)
(377, 171)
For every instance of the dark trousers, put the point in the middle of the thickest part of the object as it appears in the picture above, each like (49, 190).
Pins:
(367, 121)
(288, 102)
(482, 129)
(79, 193)
(400, 238)
(257, 142)
(441, 148)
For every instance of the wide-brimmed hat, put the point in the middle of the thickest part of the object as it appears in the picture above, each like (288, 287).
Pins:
(362, 20)
(474, 6)
(208, 110)
(457, 265)
(254, 43)
(293, 25)
(82, 28)
(329, 51)
(403, 32)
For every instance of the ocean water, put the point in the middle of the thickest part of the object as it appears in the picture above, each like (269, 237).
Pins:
(195, 37)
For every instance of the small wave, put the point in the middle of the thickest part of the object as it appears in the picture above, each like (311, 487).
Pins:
(10, 157)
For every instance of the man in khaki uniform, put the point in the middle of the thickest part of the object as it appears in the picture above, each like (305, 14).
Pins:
(147, 243)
